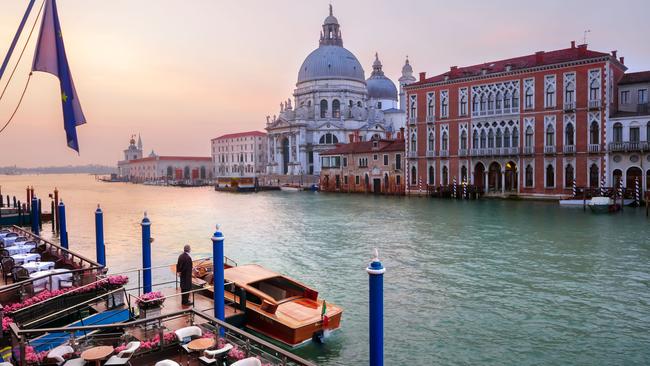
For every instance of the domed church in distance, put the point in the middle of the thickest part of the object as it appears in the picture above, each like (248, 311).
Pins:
(333, 103)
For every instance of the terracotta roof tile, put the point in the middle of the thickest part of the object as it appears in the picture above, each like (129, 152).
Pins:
(635, 77)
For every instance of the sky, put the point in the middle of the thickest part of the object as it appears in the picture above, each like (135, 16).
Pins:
(180, 72)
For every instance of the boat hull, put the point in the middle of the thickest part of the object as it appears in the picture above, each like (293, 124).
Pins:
(292, 337)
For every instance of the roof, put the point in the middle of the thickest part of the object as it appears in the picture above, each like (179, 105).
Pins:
(365, 147)
(240, 134)
(635, 77)
(517, 63)
(247, 274)
(331, 62)
(625, 114)
(189, 158)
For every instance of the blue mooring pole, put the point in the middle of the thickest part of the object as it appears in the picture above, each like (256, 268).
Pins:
(33, 215)
(376, 283)
(99, 236)
(146, 254)
(63, 232)
(217, 263)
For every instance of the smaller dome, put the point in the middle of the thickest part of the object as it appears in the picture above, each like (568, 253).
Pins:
(407, 69)
(331, 19)
(379, 86)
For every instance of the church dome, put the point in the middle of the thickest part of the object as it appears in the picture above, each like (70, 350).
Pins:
(379, 86)
(331, 62)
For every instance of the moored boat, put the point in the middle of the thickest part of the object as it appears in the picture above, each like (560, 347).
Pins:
(290, 187)
(603, 205)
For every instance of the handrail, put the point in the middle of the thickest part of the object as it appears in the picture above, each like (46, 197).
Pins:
(59, 296)
(15, 285)
(145, 268)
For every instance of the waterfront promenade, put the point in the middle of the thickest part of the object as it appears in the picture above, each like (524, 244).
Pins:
(467, 282)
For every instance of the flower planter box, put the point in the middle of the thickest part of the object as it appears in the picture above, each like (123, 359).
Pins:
(115, 300)
(149, 313)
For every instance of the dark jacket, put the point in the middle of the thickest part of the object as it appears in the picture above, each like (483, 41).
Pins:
(184, 268)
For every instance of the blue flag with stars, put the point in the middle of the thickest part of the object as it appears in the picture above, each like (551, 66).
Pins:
(50, 57)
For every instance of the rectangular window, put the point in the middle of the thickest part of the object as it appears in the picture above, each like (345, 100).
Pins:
(398, 180)
(375, 157)
(385, 159)
(345, 161)
(625, 97)
(356, 179)
(643, 96)
(634, 134)
(345, 179)
(398, 161)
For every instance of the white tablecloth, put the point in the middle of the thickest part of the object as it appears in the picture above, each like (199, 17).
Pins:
(20, 249)
(56, 279)
(25, 258)
(9, 241)
(38, 266)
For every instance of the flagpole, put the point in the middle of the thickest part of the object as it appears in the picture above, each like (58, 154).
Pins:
(16, 37)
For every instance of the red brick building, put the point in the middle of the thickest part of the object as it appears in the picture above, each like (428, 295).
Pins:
(525, 126)
(365, 167)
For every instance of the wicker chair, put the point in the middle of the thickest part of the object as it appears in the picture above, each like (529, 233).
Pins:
(4, 253)
(20, 273)
(8, 264)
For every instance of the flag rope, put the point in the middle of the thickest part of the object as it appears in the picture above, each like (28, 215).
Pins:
(18, 105)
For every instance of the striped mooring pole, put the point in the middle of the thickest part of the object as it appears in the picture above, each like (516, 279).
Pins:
(376, 310)
(420, 185)
(620, 189)
(575, 189)
(454, 188)
(637, 192)
(465, 189)
(602, 186)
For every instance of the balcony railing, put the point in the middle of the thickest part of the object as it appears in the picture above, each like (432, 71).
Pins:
(594, 148)
(642, 108)
(594, 104)
(569, 149)
(569, 106)
(529, 150)
(549, 149)
(476, 152)
(462, 152)
(430, 118)
(431, 154)
(514, 150)
(444, 153)
(629, 146)
(492, 112)
(412, 154)
(412, 121)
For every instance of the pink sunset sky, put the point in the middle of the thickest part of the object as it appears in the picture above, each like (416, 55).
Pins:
(182, 72)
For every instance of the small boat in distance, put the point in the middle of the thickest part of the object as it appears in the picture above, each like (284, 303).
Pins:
(603, 205)
(291, 187)
(276, 305)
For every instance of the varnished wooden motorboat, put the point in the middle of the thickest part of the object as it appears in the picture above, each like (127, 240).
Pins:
(276, 305)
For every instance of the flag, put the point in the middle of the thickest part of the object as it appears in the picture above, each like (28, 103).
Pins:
(326, 320)
(50, 57)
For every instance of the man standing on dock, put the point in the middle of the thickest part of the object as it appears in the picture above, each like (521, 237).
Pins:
(184, 269)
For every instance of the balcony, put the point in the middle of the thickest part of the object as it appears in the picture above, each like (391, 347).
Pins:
(475, 152)
(494, 112)
(569, 106)
(594, 104)
(462, 152)
(628, 146)
(430, 119)
(412, 121)
(569, 149)
(489, 151)
(412, 154)
(513, 150)
(593, 148)
(444, 153)
(549, 149)
(431, 154)
(529, 150)
(642, 108)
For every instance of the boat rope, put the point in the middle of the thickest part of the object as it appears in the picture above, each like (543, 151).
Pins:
(13, 71)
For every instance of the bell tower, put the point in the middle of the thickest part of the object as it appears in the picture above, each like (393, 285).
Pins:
(331, 34)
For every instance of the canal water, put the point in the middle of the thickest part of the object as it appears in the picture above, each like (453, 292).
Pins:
(467, 282)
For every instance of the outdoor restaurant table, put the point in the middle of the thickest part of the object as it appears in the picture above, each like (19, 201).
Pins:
(9, 241)
(97, 354)
(38, 266)
(56, 279)
(25, 258)
(20, 249)
(200, 344)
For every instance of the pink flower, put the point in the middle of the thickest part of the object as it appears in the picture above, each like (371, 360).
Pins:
(236, 353)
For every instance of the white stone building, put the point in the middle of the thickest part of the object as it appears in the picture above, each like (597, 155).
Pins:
(332, 102)
(239, 155)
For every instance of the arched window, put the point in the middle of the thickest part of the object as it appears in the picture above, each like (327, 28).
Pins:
(529, 175)
(618, 132)
(499, 142)
(431, 176)
(445, 176)
(515, 99)
(569, 93)
(430, 142)
(593, 176)
(506, 100)
(336, 109)
(474, 104)
(328, 139)
(550, 176)
(568, 176)
(483, 102)
(445, 141)
(463, 140)
(463, 174)
(528, 98)
(515, 137)
(568, 134)
(499, 101)
(483, 139)
(414, 145)
(529, 137)
(475, 139)
(550, 96)
(491, 102)
(647, 132)
(550, 135)
(490, 139)
(430, 107)
(594, 90)
(323, 108)
(414, 177)
(594, 137)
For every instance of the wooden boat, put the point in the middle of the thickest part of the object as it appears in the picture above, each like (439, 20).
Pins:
(603, 205)
(276, 305)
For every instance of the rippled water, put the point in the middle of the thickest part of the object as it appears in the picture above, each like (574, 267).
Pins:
(480, 282)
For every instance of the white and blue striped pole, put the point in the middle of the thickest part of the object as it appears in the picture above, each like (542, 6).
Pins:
(376, 284)
(575, 188)
(146, 254)
(63, 231)
(602, 186)
(637, 192)
(217, 263)
(99, 236)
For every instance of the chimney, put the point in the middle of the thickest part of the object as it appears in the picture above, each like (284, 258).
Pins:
(573, 44)
(389, 135)
(614, 53)
(400, 135)
(423, 75)
(351, 137)
(582, 50)
(539, 57)
(622, 60)
(453, 71)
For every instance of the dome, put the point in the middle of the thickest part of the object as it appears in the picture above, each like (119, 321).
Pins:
(379, 86)
(331, 62)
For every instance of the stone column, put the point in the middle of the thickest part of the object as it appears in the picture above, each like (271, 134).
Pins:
(486, 182)
(503, 181)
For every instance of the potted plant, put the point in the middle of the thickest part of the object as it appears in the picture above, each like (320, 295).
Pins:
(113, 283)
(150, 304)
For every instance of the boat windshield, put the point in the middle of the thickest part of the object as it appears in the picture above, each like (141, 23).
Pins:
(279, 288)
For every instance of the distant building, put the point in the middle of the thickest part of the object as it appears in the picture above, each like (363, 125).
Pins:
(332, 99)
(374, 166)
(524, 126)
(239, 155)
(628, 133)
(137, 168)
